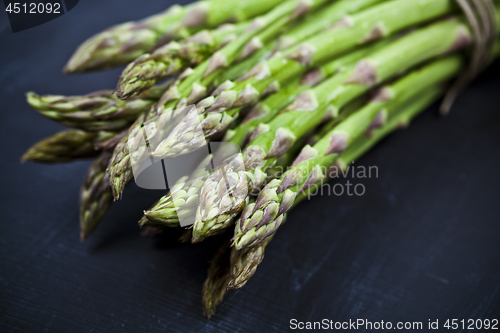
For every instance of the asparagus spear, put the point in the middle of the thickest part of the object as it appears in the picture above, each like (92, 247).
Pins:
(195, 86)
(66, 146)
(95, 195)
(326, 99)
(183, 197)
(267, 109)
(320, 20)
(244, 262)
(391, 98)
(235, 181)
(97, 111)
(442, 37)
(179, 200)
(242, 265)
(262, 219)
(120, 169)
(165, 211)
(263, 28)
(374, 23)
(125, 42)
(215, 286)
(171, 58)
(190, 89)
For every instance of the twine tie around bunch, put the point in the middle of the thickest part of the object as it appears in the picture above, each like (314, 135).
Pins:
(481, 17)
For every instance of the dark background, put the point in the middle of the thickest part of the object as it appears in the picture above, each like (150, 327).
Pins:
(422, 243)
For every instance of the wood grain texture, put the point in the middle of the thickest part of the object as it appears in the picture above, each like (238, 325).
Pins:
(421, 244)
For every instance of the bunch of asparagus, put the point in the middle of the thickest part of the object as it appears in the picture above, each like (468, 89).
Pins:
(305, 86)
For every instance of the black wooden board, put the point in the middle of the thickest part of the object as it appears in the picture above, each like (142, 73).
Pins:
(422, 243)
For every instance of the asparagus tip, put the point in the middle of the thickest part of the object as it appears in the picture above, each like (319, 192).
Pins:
(218, 60)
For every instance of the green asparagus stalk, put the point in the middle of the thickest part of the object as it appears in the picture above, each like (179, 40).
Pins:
(374, 23)
(195, 86)
(233, 180)
(179, 202)
(262, 219)
(244, 262)
(215, 286)
(125, 42)
(323, 101)
(120, 169)
(185, 191)
(66, 146)
(95, 195)
(263, 28)
(183, 197)
(267, 109)
(389, 97)
(229, 184)
(401, 119)
(98, 111)
(171, 58)
(417, 47)
(320, 20)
